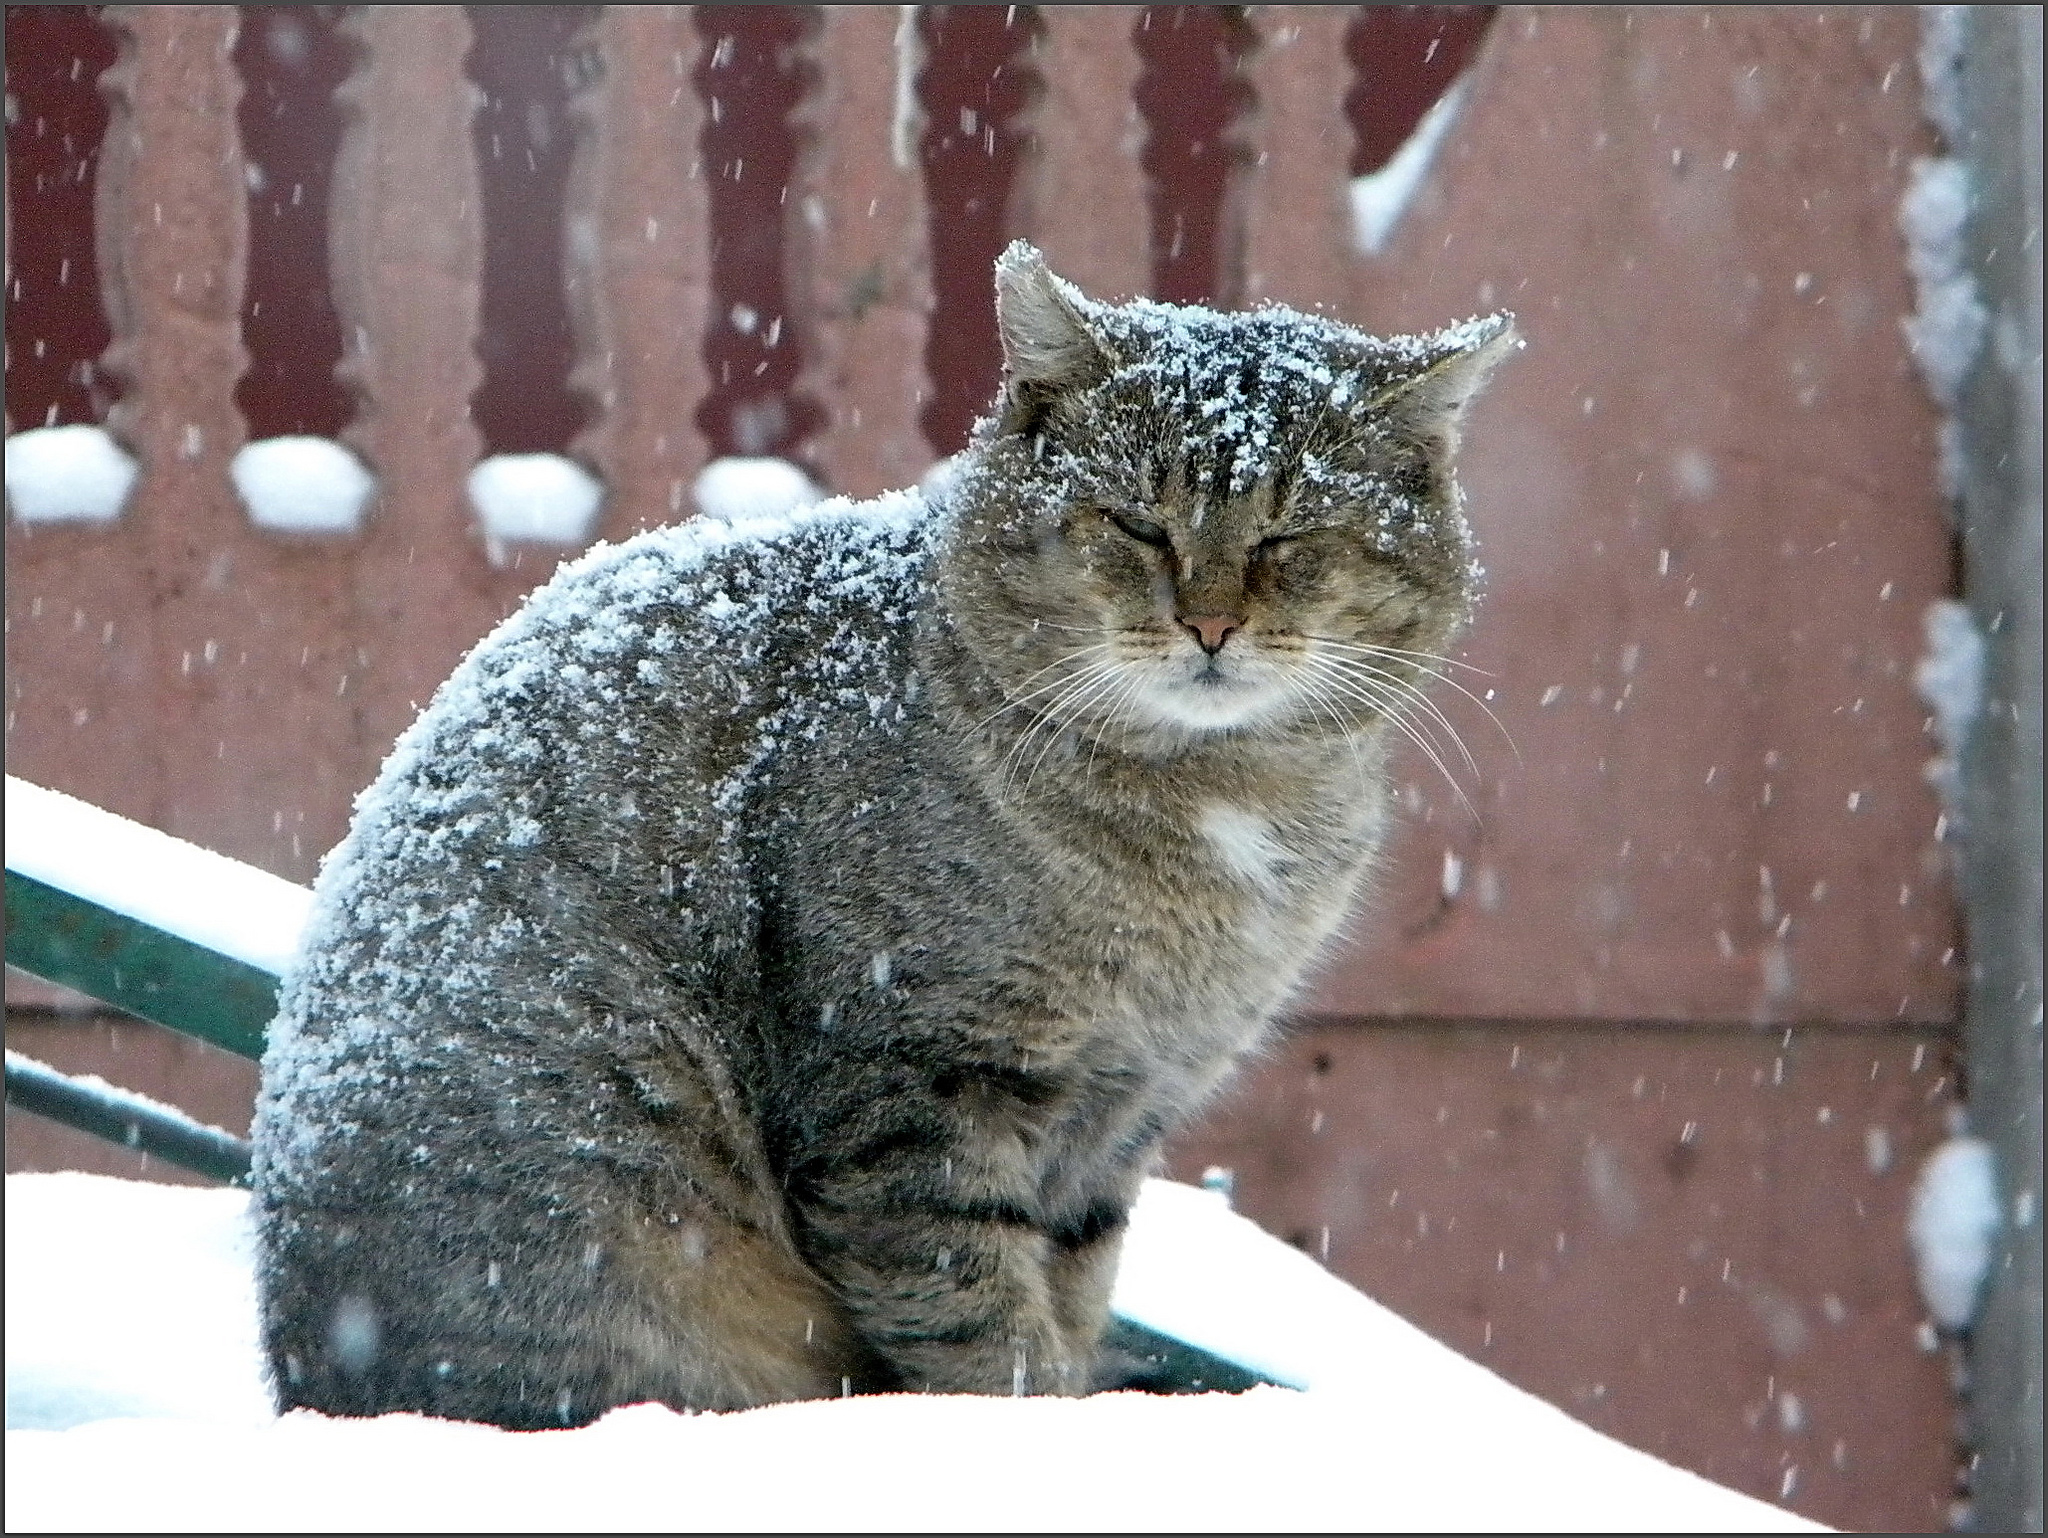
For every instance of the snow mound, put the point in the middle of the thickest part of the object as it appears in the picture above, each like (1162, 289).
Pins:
(131, 1348)
(1953, 1224)
(302, 485)
(126, 1299)
(1946, 330)
(1949, 678)
(67, 475)
(174, 886)
(752, 487)
(543, 497)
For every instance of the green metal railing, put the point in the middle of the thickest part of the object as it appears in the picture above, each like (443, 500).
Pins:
(161, 1131)
(64, 938)
(121, 961)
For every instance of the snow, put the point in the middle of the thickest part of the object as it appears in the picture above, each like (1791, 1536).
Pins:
(543, 497)
(67, 475)
(302, 485)
(1953, 1223)
(1941, 67)
(904, 117)
(177, 887)
(1380, 198)
(129, 1299)
(1950, 679)
(937, 483)
(159, 1381)
(752, 487)
(1184, 364)
(1946, 329)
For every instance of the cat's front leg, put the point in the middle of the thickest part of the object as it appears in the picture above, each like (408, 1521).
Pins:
(1082, 1275)
(945, 1269)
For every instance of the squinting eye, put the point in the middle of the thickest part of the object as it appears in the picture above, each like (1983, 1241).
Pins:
(1143, 530)
(1273, 542)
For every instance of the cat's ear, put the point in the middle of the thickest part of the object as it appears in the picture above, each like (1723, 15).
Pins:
(1049, 347)
(1425, 403)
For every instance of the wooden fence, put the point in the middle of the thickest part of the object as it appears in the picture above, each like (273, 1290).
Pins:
(1622, 1088)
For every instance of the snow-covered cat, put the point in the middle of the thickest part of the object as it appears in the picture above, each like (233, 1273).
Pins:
(769, 965)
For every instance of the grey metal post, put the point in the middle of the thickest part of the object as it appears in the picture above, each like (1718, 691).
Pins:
(2000, 421)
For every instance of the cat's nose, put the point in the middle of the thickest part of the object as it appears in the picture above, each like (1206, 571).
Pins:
(1211, 630)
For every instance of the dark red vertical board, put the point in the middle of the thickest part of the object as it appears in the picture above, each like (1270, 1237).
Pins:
(751, 74)
(528, 62)
(56, 118)
(291, 58)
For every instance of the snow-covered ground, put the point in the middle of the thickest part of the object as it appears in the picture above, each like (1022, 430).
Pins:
(134, 1403)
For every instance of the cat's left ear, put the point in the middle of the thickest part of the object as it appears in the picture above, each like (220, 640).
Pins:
(1049, 347)
(1425, 404)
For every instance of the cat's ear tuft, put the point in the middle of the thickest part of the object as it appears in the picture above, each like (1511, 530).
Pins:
(1426, 403)
(1049, 347)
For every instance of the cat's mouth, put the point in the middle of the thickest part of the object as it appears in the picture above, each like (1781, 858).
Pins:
(1209, 692)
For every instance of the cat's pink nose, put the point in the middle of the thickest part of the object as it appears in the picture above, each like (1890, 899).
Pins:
(1211, 630)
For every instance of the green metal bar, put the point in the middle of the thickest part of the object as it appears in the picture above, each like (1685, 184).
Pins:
(129, 964)
(157, 1130)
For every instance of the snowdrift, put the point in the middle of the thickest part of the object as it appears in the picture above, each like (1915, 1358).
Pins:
(135, 1402)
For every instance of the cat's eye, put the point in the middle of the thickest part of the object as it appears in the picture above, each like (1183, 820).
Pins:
(1273, 542)
(1143, 530)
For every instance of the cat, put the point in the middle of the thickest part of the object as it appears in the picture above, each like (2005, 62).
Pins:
(768, 967)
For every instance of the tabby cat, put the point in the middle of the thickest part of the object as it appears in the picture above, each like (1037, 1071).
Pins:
(768, 967)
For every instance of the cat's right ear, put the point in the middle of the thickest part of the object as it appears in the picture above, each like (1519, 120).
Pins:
(1049, 348)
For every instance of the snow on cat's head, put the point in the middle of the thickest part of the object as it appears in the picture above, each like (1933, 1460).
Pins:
(1183, 520)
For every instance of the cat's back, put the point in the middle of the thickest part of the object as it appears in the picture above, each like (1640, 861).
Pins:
(549, 827)
(684, 652)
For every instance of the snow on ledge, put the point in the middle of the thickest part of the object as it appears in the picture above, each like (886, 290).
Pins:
(177, 887)
(741, 486)
(67, 475)
(547, 498)
(302, 485)
(141, 1409)
(1380, 198)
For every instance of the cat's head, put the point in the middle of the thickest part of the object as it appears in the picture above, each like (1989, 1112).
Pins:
(1183, 521)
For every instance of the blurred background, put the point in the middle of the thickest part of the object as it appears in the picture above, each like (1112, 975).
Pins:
(331, 330)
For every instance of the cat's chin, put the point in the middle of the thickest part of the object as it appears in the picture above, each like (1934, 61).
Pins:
(1208, 703)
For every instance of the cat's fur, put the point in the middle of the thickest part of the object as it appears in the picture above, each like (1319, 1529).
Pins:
(769, 966)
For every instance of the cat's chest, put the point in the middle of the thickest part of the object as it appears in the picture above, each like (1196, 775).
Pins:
(1227, 924)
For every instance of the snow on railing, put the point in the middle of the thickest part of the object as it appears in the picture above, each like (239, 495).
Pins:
(159, 927)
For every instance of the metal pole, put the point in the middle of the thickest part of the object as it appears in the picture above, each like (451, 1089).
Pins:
(1999, 416)
(161, 1131)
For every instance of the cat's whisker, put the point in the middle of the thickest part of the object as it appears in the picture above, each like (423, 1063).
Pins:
(1397, 693)
(1132, 683)
(1033, 694)
(1391, 653)
(1348, 726)
(1390, 707)
(1046, 624)
(1403, 700)
(1408, 691)
(1397, 651)
(1073, 705)
(1058, 686)
(1414, 732)
(1049, 717)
